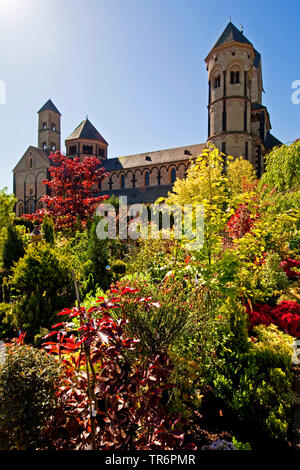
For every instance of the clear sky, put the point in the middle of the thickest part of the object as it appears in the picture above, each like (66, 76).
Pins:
(135, 67)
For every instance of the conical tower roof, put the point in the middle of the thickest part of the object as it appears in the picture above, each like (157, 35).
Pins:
(86, 130)
(49, 106)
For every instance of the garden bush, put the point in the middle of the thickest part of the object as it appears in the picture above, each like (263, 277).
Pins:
(13, 248)
(27, 395)
(6, 321)
(115, 405)
(257, 384)
(41, 284)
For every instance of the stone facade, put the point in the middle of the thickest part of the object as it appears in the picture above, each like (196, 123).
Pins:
(238, 124)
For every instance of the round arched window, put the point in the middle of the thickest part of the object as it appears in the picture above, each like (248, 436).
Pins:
(235, 76)
(173, 175)
(122, 181)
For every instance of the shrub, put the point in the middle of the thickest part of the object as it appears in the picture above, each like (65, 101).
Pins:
(24, 222)
(27, 387)
(98, 253)
(13, 248)
(257, 385)
(114, 405)
(272, 278)
(118, 269)
(41, 284)
(288, 267)
(48, 230)
(240, 175)
(6, 321)
(240, 222)
(159, 314)
(286, 315)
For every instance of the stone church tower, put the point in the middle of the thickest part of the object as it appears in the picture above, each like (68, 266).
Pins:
(238, 123)
(33, 167)
(49, 127)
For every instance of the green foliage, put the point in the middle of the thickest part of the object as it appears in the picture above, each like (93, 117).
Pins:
(48, 230)
(157, 327)
(39, 338)
(19, 221)
(92, 297)
(40, 270)
(73, 250)
(118, 269)
(41, 284)
(257, 384)
(283, 168)
(6, 321)
(272, 277)
(27, 387)
(263, 281)
(291, 293)
(98, 253)
(240, 445)
(240, 174)
(7, 202)
(154, 258)
(13, 248)
(205, 180)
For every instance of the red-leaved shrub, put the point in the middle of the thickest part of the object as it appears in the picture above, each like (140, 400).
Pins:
(107, 400)
(286, 265)
(240, 222)
(286, 316)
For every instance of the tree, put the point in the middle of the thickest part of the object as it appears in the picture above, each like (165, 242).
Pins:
(283, 168)
(48, 230)
(205, 180)
(281, 181)
(98, 254)
(7, 202)
(40, 284)
(241, 175)
(73, 185)
(13, 248)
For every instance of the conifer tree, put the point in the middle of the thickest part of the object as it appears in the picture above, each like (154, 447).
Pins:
(13, 248)
(48, 230)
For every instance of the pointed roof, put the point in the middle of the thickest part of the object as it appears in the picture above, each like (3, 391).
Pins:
(36, 151)
(49, 106)
(86, 130)
(230, 34)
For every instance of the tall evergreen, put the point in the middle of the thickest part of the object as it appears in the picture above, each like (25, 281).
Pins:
(98, 251)
(48, 230)
(13, 248)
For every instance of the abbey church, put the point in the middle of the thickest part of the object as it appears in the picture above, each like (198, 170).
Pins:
(238, 124)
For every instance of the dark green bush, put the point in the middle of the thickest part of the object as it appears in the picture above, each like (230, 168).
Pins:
(27, 387)
(118, 269)
(25, 222)
(48, 230)
(13, 248)
(254, 379)
(6, 321)
(41, 284)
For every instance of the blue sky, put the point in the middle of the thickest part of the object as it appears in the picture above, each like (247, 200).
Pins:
(135, 67)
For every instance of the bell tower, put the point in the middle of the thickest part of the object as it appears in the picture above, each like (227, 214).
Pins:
(49, 128)
(229, 66)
